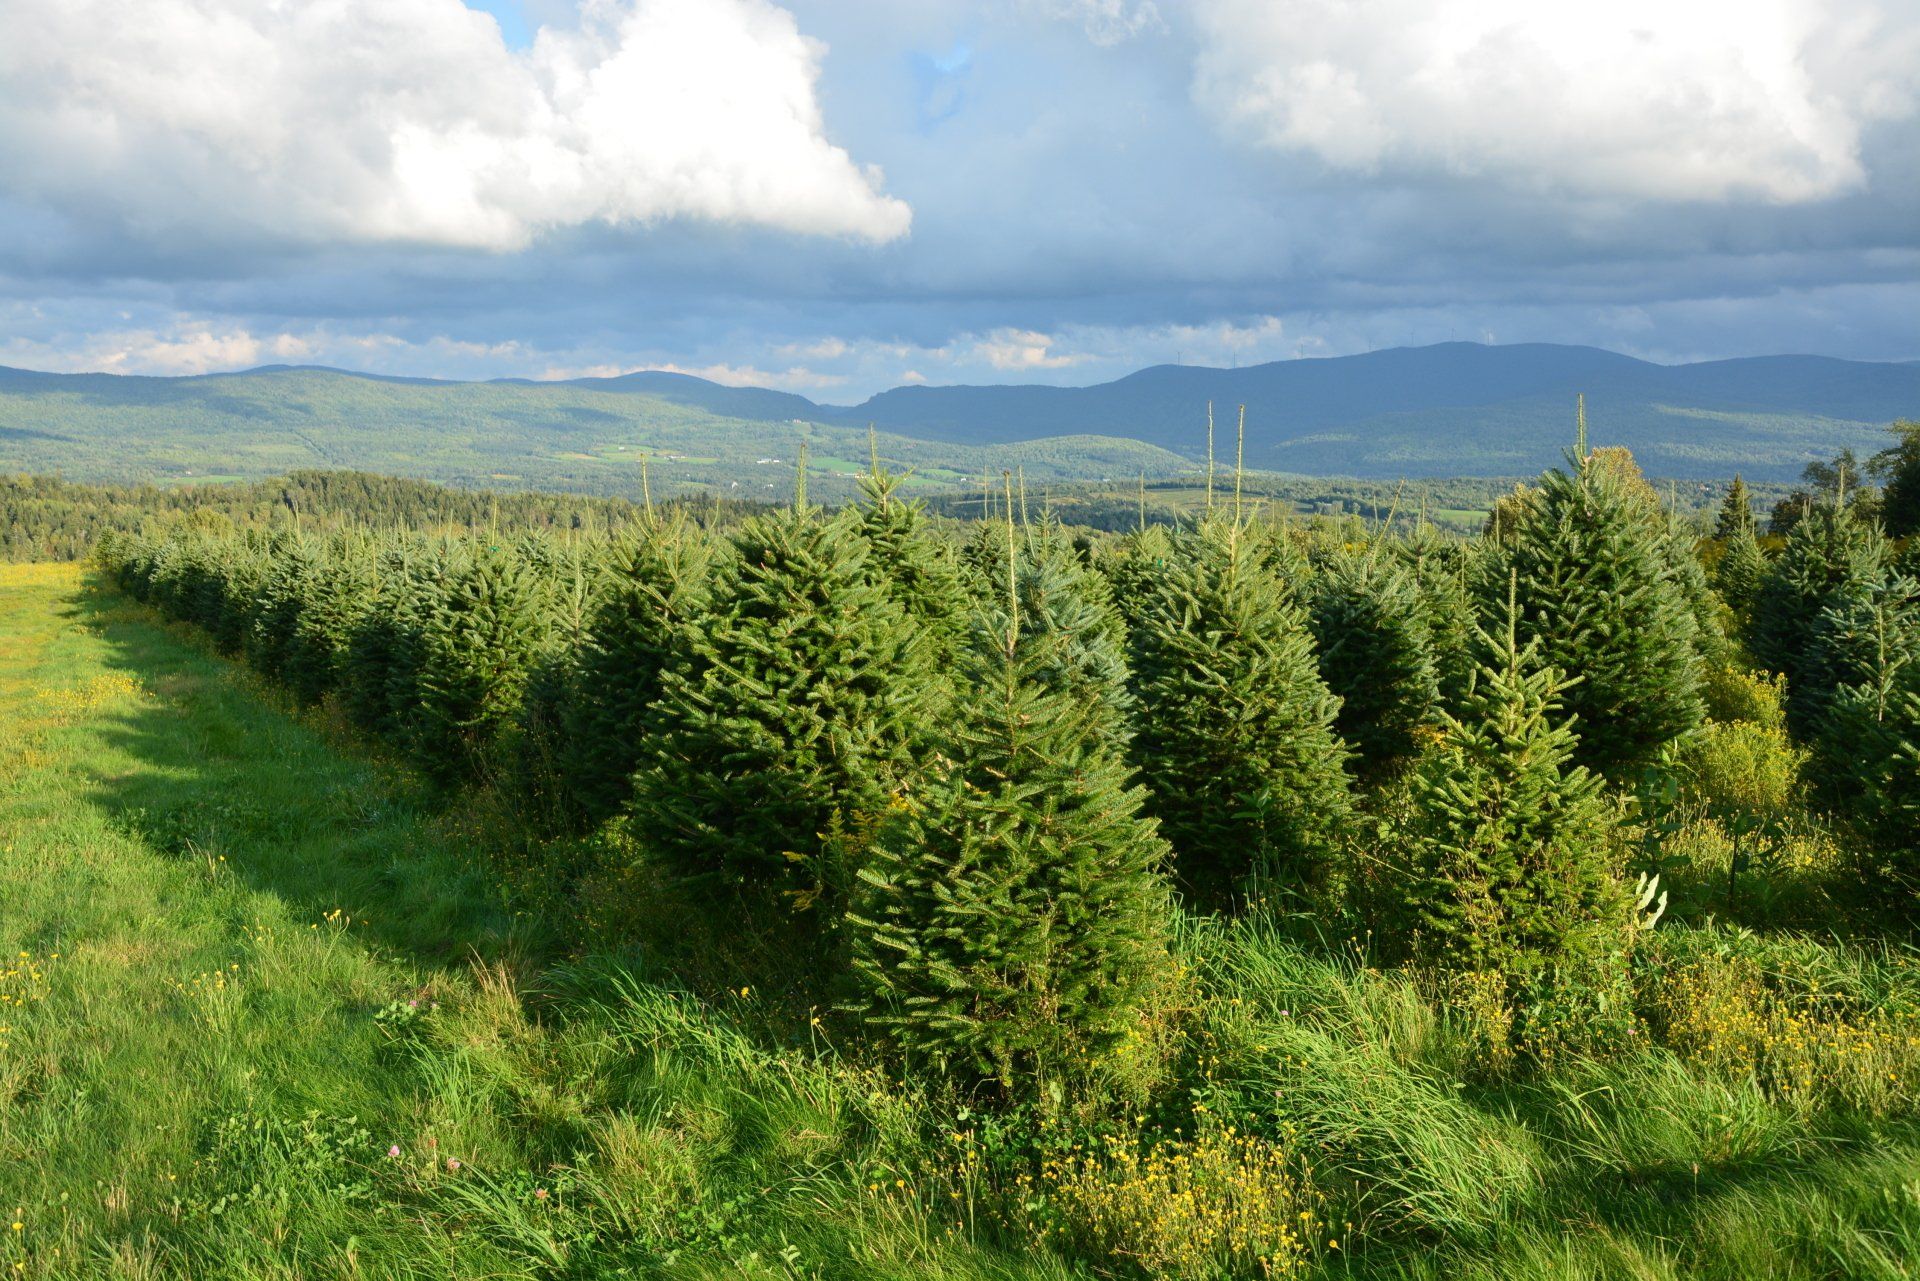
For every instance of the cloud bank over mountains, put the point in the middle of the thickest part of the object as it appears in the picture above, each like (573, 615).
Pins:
(844, 195)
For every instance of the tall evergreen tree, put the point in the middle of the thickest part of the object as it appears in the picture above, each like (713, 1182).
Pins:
(1013, 913)
(1867, 749)
(657, 585)
(1899, 466)
(1376, 655)
(476, 649)
(337, 593)
(1737, 574)
(1235, 731)
(792, 711)
(915, 567)
(1598, 592)
(1831, 556)
(1509, 844)
(1736, 512)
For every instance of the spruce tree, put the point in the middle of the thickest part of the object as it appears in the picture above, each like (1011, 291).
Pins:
(282, 594)
(1013, 913)
(1509, 844)
(1738, 573)
(657, 585)
(1830, 557)
(915, 567)
(1867, 750)
(476, 649)
(791, 712)
(1376, 655)
(372, 649)
(1736, 512)
(1235, 737)
(1592, 556)
(337, 594)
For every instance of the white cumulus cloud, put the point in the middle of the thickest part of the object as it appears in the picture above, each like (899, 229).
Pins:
(410, 121)
(1649, 99)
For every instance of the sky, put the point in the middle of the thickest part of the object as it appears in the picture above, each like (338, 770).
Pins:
(838, 196)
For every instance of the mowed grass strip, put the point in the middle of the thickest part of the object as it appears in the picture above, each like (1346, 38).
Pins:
(263, 1019)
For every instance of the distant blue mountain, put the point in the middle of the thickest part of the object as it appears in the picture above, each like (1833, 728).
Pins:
(1456, 409)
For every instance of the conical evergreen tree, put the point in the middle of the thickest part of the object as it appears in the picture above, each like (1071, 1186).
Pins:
(290, 566)
(1597, 590)
(1738, 573)
(337, 594)
(371, 650)
(1013, 913)
(1867, 750)
(1830, 557)
(1509, 847)
(1235, 736)
(543, 746)
(657, 586)
(1440, 571)
(915, 567)
(1736, 512)
(792, 711)
(476, 649)
(1376, 655)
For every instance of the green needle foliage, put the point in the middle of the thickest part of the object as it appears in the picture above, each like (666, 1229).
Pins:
(1830, 557)
(1738, 574)
(476, 649)
(917, 570)
(1736, 512)
(657, 585)
(1235, 739)
(337, 594)
(1598, 591)
(1510, 848)
(792, 710)
(1013, 916)
(1376, 654)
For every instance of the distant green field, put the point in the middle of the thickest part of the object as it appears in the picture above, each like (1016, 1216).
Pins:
(552, 437)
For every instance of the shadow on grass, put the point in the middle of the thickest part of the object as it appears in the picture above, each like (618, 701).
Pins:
(214, 767)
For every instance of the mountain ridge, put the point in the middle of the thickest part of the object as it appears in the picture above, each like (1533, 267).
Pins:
(1450, 409)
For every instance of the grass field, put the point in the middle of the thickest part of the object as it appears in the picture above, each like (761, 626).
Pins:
(261, 1017)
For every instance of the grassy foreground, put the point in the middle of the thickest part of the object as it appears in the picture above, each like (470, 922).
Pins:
(260, 1017)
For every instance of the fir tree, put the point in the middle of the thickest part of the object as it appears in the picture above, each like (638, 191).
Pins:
(1867, 750)
(336, 594)
(1376, 655)
(1509, 844)
(1235, 733)
(1736, 512)
(791, 712)
(1738, 573)
(371, 650)
(916, 568)
(657, 586)
(290, 565)
(1830, 557)
(1591, 553)
(476, 649)
(1013, 914)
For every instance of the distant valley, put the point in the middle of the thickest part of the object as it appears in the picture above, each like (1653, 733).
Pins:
(1457, 409)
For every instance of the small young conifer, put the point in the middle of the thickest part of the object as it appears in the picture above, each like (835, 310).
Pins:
(1509, 844)
(656, 585)
(1736, 512)
(1867, 749)
(1013, 912)
(1376, 655)
(476, 650)
(1235, 738)
(915, 566)
(1830, 557)
(1737, 574)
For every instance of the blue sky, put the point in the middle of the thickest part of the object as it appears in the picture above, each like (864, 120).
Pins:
(839, 197)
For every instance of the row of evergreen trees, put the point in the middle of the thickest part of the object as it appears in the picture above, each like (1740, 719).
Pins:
(970, 776)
